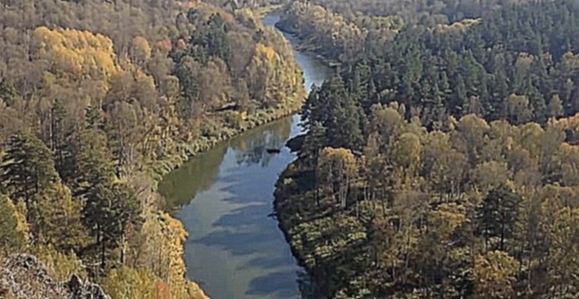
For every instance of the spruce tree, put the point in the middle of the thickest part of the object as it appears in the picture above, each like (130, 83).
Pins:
(27, 169)
(497, 215)
(91, 162)
(110, 210)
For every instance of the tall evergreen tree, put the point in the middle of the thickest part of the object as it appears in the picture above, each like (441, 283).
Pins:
(344, 129)
(27, 169)
(497, 216)
(91, 162)
(111, 209)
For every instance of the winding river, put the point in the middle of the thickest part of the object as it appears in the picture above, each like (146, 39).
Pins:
(234, 249)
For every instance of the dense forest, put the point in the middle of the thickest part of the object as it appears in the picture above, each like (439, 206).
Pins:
(99, 100)
(440, 161)
(341, 30)
(518, 64)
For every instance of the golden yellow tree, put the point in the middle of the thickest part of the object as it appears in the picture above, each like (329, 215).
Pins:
(336, 169)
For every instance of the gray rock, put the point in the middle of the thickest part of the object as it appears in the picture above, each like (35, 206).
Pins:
(85, 290)
(23, 276)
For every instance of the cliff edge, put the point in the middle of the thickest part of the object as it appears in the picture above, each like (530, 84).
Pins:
(24, 276)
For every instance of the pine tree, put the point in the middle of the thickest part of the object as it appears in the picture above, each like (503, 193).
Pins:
(27, 169)
(60, 137)
(91, 162)
(94, 117)
(344, 128)
(110, 210)
(8, 93)
(497, 215)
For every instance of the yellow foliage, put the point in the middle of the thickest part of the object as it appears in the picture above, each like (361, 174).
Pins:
(82, 53)
(447, 218)
(140, 49)
(493, 274)
(162, 251)
(175, 236)
(568, 123)
(20, 212)
(60, 266)
(264, 50)
(457, 26)
(130, 283)
(340, 157)
(61, 219)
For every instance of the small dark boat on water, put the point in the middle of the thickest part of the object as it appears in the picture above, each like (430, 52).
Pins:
(273, 150)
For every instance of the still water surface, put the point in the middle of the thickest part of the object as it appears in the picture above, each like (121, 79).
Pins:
(234, 249)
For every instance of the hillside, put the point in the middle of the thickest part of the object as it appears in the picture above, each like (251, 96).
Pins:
(440, 162)
(98, 101)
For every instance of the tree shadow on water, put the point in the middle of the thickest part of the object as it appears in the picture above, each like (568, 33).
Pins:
(247, 230)
(274, 285)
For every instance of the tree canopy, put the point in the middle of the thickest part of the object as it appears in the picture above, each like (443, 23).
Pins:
(440, 161)
(99, 100)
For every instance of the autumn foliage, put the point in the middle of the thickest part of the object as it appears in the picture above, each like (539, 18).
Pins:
(100, 100)
(81, 53)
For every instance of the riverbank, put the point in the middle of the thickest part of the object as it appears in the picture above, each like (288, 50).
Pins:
(292, 188)
(201, 145)
(307, 46)
(224, 195)
(261, 117)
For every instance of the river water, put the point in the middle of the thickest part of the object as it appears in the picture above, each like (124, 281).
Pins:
(234, 249)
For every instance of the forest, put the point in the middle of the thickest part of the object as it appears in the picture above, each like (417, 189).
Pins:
(441, 159)
(98, 101)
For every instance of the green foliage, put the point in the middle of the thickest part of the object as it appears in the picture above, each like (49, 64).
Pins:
(499, 67)
(94, 115)
(60, 265)
(27, 171)
(497, 215)
(59, 225)
(109, 212)
(466, 211)
(90, 163)
(27, 167)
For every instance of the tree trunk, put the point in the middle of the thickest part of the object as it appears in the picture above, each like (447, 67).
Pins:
(123, 249)
(103, 254)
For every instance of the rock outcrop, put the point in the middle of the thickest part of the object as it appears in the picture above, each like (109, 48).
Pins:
(23, 276)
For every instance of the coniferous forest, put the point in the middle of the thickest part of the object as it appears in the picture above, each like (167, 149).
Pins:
(98, 101)
(440, 160)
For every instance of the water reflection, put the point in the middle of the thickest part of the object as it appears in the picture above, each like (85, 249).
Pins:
(234, 249)
(251, 149)
(198, 174)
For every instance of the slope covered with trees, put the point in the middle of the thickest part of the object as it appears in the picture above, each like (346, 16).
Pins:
(440, 164)
(339, 30)
(99, 100)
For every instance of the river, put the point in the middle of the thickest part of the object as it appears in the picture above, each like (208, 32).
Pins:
(234, 249)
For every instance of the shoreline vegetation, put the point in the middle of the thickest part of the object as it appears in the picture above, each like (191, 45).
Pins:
(438, 161)
(100, 109)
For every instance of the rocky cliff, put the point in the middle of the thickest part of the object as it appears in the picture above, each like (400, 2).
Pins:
(24, 276)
